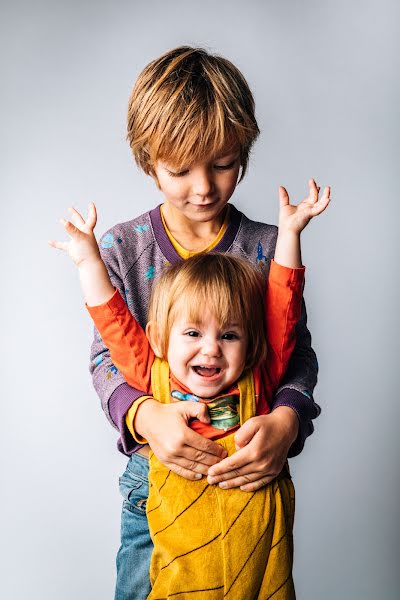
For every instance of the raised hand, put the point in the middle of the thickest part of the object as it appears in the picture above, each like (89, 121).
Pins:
(83, 245)
(295, 218)
(84, 251)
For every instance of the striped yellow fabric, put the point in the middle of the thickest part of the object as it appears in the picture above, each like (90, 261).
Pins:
(212, 543)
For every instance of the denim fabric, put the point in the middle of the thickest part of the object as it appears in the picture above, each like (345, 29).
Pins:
(133, 558)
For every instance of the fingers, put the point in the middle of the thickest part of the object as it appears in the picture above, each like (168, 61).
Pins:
(247, 483)
(202, 445)
(322, 204)
(238, 461)
(182, 472)
(313, 193)
(58, 245)
(76, 217)
(79, 221)
(197, 410)
(283, 196)
(246, 433)
(70, 228)
(92, 216)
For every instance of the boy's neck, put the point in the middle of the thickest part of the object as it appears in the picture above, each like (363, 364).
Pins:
(191, 235)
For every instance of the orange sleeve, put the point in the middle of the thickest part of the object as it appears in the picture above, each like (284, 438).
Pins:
(282, 310)
(127, 342)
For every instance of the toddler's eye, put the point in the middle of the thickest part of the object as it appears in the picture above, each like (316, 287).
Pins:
(192, 333)
(230, 336)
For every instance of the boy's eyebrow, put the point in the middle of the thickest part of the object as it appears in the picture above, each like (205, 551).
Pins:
(227, 153)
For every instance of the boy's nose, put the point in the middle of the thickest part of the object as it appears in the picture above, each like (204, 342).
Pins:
(203, 184)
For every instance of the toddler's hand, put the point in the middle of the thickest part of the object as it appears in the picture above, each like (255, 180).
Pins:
(295, 218)
(82, 247)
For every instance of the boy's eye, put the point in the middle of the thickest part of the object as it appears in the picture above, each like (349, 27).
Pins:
(179, 174)
(225, 167)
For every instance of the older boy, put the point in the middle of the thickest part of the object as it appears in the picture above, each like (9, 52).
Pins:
(191, 126)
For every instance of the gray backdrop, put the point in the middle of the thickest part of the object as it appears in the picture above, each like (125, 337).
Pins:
(325, 78)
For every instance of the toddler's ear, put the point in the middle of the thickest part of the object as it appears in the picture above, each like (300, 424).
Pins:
(153, 335)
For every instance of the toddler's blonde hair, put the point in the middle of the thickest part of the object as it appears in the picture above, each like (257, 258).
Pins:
(229, 286)
(190, 106)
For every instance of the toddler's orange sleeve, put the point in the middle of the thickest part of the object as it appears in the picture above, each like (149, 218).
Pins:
(129, 347)
(282, 310)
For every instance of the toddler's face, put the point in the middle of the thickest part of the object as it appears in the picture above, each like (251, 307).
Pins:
(201, 192)
(205, 357)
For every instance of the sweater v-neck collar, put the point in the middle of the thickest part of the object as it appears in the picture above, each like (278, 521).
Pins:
(169, 251)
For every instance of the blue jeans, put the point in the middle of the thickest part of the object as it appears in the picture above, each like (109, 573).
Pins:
(133, 558)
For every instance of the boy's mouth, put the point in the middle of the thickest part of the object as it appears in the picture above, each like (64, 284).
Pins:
(206, 371)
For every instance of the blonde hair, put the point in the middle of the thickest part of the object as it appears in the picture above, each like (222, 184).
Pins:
(190, 106)
(230, 286)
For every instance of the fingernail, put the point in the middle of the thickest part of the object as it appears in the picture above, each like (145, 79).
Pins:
(223, 484)
(198, 476)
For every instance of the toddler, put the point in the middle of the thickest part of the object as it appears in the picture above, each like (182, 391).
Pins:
(209, 340)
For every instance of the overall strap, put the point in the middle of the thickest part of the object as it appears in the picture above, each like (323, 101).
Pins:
(247, 396)
(160, 380)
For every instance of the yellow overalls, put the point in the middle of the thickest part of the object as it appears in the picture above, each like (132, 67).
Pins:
(211, 543)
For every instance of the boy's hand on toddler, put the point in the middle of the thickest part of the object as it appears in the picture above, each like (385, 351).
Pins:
(295, 218)
(176, 445)
(262, 444)
(82, 246)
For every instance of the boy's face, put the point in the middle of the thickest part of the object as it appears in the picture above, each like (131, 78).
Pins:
(206, 357)
(200, 192)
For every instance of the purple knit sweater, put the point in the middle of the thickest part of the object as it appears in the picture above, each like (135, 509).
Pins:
(134, 252)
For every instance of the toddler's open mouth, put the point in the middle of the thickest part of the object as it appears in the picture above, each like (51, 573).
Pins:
(206, 371)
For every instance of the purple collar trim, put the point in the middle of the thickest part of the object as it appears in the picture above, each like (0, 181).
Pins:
(169, 251)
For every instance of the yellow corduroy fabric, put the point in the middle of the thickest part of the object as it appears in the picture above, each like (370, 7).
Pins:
(211, 543)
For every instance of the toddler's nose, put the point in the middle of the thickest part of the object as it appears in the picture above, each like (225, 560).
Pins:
(211, 347)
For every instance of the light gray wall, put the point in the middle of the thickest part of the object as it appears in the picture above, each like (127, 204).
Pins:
(325, 78)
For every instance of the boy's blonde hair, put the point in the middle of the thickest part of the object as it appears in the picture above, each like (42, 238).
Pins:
(229, 286)
(190, 106)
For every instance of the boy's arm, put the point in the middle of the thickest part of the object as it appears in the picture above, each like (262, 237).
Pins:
(296, 387)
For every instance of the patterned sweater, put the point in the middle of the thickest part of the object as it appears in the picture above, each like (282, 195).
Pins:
(134, 252)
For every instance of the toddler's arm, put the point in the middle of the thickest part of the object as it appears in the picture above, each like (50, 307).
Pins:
(284, 291)
(127, 342)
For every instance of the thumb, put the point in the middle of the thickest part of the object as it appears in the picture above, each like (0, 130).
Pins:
(197, 410)
(245, 434)
(283, 196)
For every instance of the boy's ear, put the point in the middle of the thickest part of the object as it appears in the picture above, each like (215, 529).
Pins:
(153, 335)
